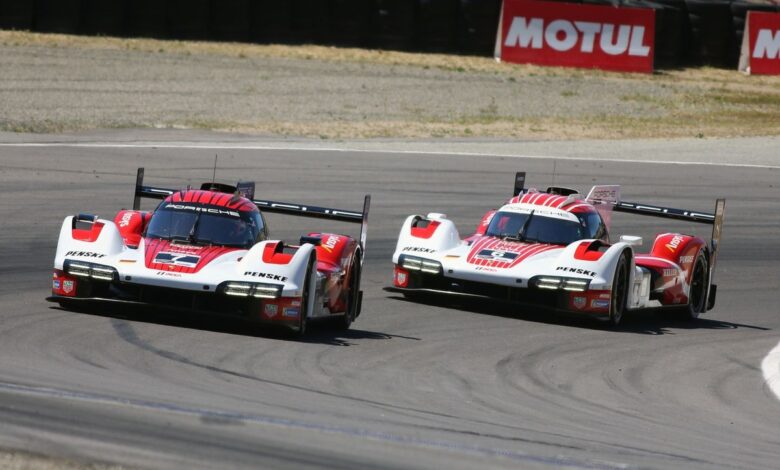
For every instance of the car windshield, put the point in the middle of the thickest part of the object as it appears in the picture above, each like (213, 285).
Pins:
(205, 225)
(532, 227)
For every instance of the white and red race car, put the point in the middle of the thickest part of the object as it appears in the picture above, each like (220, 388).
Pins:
(209, 250)
(553, 249)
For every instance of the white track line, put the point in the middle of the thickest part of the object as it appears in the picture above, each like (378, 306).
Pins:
(229, 146)
(770, 366)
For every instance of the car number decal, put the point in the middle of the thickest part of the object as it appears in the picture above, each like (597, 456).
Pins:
(177, 259)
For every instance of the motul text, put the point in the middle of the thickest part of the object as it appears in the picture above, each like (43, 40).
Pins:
(563, 35)
(761, 44)
(579, 35)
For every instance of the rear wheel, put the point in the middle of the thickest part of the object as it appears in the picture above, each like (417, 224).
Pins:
(309, 296)
(697, 296)
(353, 301)
(619, 297)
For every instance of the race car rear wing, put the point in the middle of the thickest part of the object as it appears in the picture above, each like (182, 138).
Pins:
(288, 208)
(715, 219)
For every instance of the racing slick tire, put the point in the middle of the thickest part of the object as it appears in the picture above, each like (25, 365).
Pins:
(619, 296)
(697, 297)
(309, 296)
(353, 301)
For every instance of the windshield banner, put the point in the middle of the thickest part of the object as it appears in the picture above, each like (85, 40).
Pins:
(761, 44)
(574, 35)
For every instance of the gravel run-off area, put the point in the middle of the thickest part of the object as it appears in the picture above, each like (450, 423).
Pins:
(56, 83)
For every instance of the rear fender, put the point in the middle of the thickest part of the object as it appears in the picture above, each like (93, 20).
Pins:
(88, 240)
(679, 249)
(429, 234)
(334, 250)
(131, 225)
(484, 223)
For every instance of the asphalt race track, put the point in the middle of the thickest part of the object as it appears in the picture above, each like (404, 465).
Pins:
(411, 385)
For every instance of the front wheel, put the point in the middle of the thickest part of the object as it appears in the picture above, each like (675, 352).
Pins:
(619, 297)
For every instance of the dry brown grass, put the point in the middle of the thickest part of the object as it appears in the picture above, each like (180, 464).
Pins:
(706, 102)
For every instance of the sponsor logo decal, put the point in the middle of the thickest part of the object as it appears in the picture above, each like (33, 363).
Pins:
(165, 273)
(686, 259)
(271, 310)
(674, 243)
(485, 268)
(55, 284)
(67, 286)
(330, 243)
(176, 248)
(497, 255)
(578, 35)
(584, 272)
(598, 303)
(670, 272)
(760, 52)
(85, 254)
(291, 312)
(767, 45)
(295, 303)
(125, 221)
(269, 276)
(563, 35)
(604, 193)
(579, 302)
(177, 259)
(418, 249)
(210, 210)
(400, 278)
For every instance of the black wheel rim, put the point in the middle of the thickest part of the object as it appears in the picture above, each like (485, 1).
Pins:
(305, 302)
(697, 287)
(619, 293)
(354, 287)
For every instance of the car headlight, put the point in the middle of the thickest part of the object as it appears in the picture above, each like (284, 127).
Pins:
(252, 289)
(413, 263)
(564, 283)
(94, 271)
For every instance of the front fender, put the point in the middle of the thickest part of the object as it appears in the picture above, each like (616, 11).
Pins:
(421, 235)
(105, 242)
(600, 268)
(289, 269)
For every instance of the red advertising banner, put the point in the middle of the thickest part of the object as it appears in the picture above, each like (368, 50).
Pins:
(574, 35)
(761, 44)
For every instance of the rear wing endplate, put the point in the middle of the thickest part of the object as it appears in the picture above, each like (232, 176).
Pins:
(715, 219)
(288, 208)
(519, 183)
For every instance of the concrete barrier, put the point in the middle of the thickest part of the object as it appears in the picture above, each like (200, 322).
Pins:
(147, 18)
(230, 20)
(16, 14)
(104, 17)
(189, 19)
(712, 41)
(58, 16)
(689, 32)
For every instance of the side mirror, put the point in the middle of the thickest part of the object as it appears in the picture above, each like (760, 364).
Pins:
(632, 240)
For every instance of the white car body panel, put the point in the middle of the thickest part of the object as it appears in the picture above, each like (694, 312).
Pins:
(109, 250)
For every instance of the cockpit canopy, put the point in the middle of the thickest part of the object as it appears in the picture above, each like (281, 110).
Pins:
(540, 228)
(203, 224)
